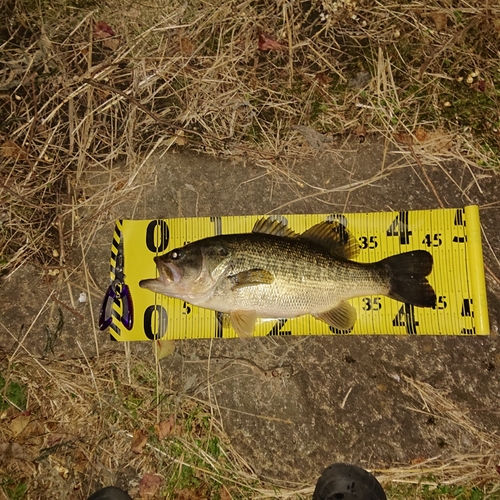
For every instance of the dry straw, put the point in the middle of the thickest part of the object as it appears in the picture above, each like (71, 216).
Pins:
(99, 89)
(95, 89)
(85, 416)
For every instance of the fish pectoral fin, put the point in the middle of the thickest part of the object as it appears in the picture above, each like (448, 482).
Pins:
(251, 277)
(243, 322)
(341, 317)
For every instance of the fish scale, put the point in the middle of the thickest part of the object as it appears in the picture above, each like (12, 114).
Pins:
(276, 273)
(307, 280)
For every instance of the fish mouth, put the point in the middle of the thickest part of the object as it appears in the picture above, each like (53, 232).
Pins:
(169, 275)
(169, 272)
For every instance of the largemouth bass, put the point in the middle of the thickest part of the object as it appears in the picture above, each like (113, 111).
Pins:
(274, 272)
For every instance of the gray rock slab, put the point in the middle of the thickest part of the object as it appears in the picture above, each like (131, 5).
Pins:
(291, 406)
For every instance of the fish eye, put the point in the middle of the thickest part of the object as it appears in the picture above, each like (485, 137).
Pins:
(175, 254)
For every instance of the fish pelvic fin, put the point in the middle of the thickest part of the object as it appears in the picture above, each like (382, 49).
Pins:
(251, 277)
(408, 278)
(333, 236)
(342, 316)
(243, 322)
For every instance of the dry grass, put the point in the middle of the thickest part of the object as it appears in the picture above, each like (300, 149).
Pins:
(479, 468)
(83, 425)
(72, 97)
(75, 425)
(191, 75)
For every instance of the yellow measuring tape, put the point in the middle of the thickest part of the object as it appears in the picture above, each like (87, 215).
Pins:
(452, 236)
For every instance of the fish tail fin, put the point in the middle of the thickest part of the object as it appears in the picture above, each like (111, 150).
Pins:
(408, 278)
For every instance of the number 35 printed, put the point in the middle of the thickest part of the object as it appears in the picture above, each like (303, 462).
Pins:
(371, 304)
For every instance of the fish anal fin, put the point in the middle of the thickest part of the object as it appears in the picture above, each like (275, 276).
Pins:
(243, 322)
(251, 277)
(267, 225)
(334, 237)
(342, 316)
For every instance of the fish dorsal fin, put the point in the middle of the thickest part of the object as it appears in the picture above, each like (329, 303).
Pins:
(334, 237)
(267, 225)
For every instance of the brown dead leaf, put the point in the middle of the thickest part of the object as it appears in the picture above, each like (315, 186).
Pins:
(421, 134)
(103, 30)
(189, 494)
(165, 428)
(439, 140)
(55, 438)
(139, 440)
(18, 424)
(13, 450)
(178, 139)
(149, 485)
(33, 433)
(80, 461)
(440, 20)
(10, 149)
(323, 78)
(111, 43)
(164, 348)
(403, 138)
(187, 46)
(224, 494)
(268, 42)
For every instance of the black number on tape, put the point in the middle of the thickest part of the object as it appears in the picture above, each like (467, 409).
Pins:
(468, 331)
(399, 227)
(157, 236)
(459, 217)
(441, 303)
(406, 317)
(155, 322)
(432, 240)
(372, 304)
(467, 308)
(368, 242)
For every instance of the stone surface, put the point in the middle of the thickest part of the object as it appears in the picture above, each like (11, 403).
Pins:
(291, 406)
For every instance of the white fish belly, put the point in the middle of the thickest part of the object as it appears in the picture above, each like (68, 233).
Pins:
(289, 300)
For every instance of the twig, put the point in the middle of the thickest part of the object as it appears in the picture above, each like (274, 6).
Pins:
(431, 185)
(70, 309)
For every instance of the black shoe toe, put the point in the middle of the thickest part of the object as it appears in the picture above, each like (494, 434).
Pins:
(110, 493)
(348, 482)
